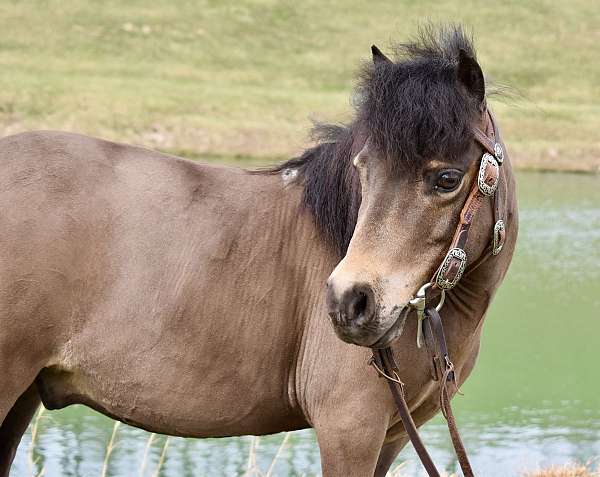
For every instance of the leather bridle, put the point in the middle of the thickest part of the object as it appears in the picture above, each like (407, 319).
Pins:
(430, 331)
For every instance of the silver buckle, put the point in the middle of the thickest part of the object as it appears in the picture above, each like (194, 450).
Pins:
(418, 303)
(497, 244)
(487, 160)
(453, 253)
(499, 153)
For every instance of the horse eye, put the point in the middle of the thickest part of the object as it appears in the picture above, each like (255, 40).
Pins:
(448, 180)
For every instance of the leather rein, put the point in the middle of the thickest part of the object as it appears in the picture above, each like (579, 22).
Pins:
(430, 330)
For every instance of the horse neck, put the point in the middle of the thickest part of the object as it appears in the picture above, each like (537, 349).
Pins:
(299, 250)
(331, 188)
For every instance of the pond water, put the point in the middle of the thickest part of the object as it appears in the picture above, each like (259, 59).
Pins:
(533, 399)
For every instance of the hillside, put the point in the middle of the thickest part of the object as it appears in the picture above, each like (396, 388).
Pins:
(226, 79)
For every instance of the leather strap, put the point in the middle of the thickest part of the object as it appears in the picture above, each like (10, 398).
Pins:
(454, 264)
(487, 183)
(487, 136)
(448, 377)
(484, 140)
(499, 231)
(384, 361)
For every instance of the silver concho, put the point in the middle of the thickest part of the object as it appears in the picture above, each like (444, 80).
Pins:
(496, 241)
(499, 153)
(486, 161)
(453, 253)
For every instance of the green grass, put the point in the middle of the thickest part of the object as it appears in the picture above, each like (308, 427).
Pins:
(242, 78)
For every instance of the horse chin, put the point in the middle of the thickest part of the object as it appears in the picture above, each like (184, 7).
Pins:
(381, 339)
(393, 332)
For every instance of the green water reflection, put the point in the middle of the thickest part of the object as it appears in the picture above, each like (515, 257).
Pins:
(534, 398)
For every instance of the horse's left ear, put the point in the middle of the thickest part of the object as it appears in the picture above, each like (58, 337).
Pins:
(378, 56)
(470, 75)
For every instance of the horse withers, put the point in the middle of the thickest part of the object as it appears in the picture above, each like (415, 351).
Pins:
(191, 300)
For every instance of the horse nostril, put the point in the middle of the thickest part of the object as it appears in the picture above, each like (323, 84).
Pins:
(359, 303)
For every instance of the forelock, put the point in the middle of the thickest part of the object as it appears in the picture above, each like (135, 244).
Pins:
(414, 107)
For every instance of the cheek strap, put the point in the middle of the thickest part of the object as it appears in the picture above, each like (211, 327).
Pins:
(487, 184)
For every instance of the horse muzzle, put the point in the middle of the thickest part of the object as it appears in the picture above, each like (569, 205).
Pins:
(357, 318)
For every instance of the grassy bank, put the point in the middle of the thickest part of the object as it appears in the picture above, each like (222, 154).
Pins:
(242, 78)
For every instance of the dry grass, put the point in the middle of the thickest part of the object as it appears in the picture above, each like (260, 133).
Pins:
(32, 461)
(109, 449)
(573, 470)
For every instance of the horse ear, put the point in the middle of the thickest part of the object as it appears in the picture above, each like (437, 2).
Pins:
(470, 75)
(361, 156)
(378, 56)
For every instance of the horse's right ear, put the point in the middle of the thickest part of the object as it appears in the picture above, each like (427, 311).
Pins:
(360, 158)
(470, 75)
(378, 56)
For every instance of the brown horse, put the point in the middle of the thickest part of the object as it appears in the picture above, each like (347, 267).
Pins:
(189, 299)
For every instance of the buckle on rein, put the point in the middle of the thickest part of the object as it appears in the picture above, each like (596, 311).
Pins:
(418, 303)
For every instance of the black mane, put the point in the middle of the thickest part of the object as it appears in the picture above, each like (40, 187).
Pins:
(410, 109)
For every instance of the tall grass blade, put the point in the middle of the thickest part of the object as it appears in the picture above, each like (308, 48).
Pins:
(34, 435)
(109, 448)
(277, 454)
(161, 460)
(146, 450)
(251, 467)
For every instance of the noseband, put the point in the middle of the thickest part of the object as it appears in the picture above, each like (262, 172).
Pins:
(430, 331)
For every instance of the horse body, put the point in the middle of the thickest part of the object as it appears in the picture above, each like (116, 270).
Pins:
(159, 294)
(146, 270)
(189, 300)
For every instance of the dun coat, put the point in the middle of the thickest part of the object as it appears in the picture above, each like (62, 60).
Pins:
(190, 299)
